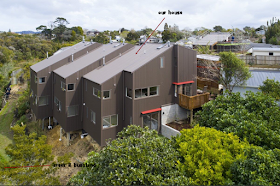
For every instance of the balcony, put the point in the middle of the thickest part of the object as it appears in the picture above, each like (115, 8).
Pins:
(193, 102)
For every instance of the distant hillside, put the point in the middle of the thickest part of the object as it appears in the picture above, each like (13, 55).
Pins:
(27, 32)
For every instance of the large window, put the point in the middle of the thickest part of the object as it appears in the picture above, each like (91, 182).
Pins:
(144, 92)
(93, 117)
(106, 94)
(128, 92)
(63, 86)
(151, 120)
(153, 91)
(110, 121)
(141, 92)
(73, 110)
(43, 100)
(71, 87)
(42, 80)
(96, 92)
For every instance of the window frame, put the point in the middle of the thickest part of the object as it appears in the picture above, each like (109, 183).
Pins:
(110, 116)
(156, 93)
(126, 91)
(98, 91)
(35, 79)
(141, 93)
(92, 116)
(161, 62)
(63, 88)
(73, 86)
(47, 100)
(76, 111)
(41, 78)
(109, 94)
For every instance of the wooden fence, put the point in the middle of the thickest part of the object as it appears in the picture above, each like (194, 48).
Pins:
(260, 60)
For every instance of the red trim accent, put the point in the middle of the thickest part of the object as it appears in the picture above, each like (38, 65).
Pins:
(150, 111)
(181, 83)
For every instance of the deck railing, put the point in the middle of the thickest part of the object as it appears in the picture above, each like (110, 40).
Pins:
(193, 102)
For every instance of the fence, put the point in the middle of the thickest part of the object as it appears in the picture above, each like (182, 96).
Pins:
(260, 60)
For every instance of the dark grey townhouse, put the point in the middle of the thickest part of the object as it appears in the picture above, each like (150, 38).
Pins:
(68, 87)
(41, 77)
(132, 88)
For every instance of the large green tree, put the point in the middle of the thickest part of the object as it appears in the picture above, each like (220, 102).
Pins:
(272, 88)
(255, 117)
(207, 154)
(272, 33)
(137, 157)
(28, 151)
(218, 28)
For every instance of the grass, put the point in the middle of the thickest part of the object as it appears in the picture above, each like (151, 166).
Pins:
(6, 118)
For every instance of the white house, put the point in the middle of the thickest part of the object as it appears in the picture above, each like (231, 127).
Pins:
(264, 51)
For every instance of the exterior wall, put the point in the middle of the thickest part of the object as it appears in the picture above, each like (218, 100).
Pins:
(92, 103)
(75, 97)
(46, 89)
(33, 87)
(243, 90)
(264, 53)
(172, 112)
(152, 75)
(169, 131)
(60, 116)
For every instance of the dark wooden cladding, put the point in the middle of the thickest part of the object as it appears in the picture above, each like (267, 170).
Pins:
(46, 89)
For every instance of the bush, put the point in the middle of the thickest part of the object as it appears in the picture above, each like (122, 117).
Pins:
(207, 154)
(261, 167)
(255, 117)
(137, 157)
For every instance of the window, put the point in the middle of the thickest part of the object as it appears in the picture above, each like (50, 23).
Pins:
(153, 91)
(35, 79)
(43, 100)
(110, 121)
(141, 92)
(151, 120)
(161, 62)
(106, 94)
(73, 110)
(63, 86)
(96, 92)
(71, 86)
(57, 103)
(175, 91)
(130, 120)
(93, 117)
(42, 80)
(35, 100)
(128, 92)
(270, 53)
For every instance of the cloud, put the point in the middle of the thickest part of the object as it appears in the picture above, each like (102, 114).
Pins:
(20, 15)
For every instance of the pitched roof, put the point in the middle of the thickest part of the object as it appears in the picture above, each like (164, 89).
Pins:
(258, 76)
(212, 38)
(208, 57)
(65, 52)
(127, 62)
(86, 60)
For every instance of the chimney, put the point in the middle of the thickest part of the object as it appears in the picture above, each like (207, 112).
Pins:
(103, 60)
(83, 39)
(47, 55)
(111, 39)
(72, 57)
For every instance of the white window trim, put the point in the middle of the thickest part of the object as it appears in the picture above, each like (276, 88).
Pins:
(95, 94)
(110, 121)
(157, 91)
(73, 89)
(126, 90)
(141, 93)
(109, 94)
(40, 78)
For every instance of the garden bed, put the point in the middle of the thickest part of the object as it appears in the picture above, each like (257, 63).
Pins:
(180, 125)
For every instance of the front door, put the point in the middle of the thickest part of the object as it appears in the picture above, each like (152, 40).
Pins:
(151, 120)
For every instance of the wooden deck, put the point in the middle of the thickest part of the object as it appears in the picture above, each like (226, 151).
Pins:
(193, 102)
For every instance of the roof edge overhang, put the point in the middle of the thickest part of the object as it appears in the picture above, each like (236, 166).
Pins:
(182, 83)
(150, 111)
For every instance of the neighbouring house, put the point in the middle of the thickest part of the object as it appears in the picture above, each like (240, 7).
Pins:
(264, 51)
(211, 39)
(257, 79)
(112, 86)
(41, 77)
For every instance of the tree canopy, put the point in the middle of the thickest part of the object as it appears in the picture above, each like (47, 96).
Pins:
(272, 33)
(272, 88)
(137, 157)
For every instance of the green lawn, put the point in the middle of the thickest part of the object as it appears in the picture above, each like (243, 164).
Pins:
(6, 117)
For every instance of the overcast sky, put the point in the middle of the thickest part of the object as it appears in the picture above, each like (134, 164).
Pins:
(19, 15)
